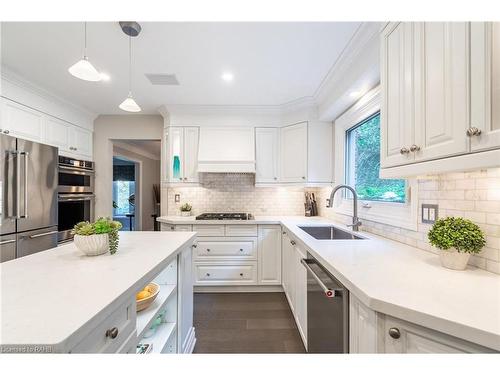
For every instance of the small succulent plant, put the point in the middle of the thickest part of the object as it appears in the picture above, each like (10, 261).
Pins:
(101, 226)
(186, 207)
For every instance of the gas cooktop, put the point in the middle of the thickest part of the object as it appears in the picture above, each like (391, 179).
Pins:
(224, 216)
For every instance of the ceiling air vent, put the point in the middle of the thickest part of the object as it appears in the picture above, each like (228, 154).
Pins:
(162, 79)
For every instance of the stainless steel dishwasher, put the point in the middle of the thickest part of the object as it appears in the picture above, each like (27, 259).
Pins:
(327, 310)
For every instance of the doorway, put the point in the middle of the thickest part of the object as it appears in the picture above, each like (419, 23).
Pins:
(125, 189)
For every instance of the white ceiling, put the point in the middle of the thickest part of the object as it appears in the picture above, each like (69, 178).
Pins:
(272, 63)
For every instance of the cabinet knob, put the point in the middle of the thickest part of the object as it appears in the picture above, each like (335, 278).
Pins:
(414, 148)
(208, 274)
(275, 178)
(195, 245)
(404, 151)
(473, 131)
(172, 227)
(303, 178)
(208, 250)
(293, 243)
(185, 178)
(112, 333)
(241, 274)
(6, 132)
(284, 232)
(241, 250)
(394, 333)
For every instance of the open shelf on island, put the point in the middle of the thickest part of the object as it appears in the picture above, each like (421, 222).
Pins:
(146, 317)
(160, 337)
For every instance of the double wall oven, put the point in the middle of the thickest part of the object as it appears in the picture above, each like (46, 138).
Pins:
(75, 195)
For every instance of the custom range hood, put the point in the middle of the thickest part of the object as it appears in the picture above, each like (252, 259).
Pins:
(226, 150)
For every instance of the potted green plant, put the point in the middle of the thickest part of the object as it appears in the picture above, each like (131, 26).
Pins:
(186, 209)
(456, 238)
(97, 238)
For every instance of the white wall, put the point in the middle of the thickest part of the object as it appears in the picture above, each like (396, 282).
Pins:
(149, 174)
(115, 127)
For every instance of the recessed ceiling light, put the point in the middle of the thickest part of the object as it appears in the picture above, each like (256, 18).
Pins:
(104, 76)
(227, 76)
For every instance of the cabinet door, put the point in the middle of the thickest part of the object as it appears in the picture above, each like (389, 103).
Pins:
(284, 260)
(58, 133)
(266, 155)
(176, 157)
(269, 254)
(485, 84)
(81, 141)
(190, 153)
(293, 145)
(416, 339)
(362, 327)
(185, 302)
(441, 89)
(21, 121)
(397, 120)
(300, 293)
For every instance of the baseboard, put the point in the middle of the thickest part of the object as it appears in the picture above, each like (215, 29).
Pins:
(239, 289)
(190, 342)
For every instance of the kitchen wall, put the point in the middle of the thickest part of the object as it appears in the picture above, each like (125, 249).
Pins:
(117, 127)
(473, 195)
(219, 192)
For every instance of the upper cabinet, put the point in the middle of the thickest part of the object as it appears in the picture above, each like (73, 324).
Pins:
(182, 154)
(485, 85)
(267, 155)
(27, 123)
(439, 80)
(294, 153)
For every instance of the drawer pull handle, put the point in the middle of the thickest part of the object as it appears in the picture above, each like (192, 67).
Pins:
(293, 243)
(241, 249)
(208, 274)
(394, 333)
(195, 245)
(241, 274)
(208, 249)
(112, 333)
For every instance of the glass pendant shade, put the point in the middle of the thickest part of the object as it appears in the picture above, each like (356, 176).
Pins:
(130, 105)
(83, 69)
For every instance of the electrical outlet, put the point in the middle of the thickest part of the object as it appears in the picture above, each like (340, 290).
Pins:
(429, 213)
(177, 198)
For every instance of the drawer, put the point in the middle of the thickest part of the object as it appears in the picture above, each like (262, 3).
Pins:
(209, 230)
(130, 345)
(183, 228)
(226, 248)
(226, 273)
(167, 227)
(241, 230)
(123, 319)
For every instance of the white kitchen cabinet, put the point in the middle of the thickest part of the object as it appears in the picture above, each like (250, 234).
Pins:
(267, 146)
(288, 261)
(81, 141)
(300, 299)
(425, 91)
(485, 85)
(404, 337)
(441, 74)
(21, 121)
(185, 330)
(319, 152)
(58, 133)
(269, 254)
(293, 153)
(183, 154)
(363, 327)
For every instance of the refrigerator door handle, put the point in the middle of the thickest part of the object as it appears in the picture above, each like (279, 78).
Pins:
(26, 159)
(18, 183)
(7, 242)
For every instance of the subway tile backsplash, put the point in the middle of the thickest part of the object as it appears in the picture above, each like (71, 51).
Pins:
(473, 195)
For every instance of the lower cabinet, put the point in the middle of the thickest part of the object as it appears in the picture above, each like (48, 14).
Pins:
(363, 327)
(269, 254)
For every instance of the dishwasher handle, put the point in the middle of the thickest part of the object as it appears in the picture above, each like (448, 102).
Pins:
(329, 293)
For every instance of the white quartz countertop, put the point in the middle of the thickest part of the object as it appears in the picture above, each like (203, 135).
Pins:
(400, 280)
(48, 296)
(192, 220)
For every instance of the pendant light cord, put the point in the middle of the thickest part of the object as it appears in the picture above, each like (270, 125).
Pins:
(129, 65)
(85, 40)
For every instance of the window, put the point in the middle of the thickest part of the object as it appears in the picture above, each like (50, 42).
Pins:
(363, 164)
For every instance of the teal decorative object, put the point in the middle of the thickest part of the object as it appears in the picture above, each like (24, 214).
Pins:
(177, 167)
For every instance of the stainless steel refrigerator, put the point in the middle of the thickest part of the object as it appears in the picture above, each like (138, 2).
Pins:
(28, 197)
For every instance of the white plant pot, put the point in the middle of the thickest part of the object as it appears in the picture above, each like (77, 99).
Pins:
(185, 213)
(93, 245)
(454, 260)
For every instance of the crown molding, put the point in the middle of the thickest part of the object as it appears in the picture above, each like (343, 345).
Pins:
(10, 76)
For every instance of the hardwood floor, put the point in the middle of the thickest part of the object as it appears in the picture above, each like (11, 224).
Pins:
(245, 323)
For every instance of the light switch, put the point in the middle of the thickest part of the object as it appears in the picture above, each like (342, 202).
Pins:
(429, 213)
(177, 198)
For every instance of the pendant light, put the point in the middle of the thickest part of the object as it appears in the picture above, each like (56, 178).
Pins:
(83, 69)
(129, 103)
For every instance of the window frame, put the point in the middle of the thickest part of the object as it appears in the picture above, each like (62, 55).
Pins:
(402, 215)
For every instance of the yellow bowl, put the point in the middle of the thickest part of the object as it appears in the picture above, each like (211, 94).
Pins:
(146, 302)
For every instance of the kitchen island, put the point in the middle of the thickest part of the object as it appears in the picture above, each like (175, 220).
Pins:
(60, 300)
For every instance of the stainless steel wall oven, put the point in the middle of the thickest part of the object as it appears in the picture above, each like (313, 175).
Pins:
(76, 195)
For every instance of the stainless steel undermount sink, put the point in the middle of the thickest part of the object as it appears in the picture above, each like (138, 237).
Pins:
(330, 233)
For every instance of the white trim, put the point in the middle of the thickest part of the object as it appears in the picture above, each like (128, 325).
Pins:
(395, 214)
(189, 342)
(137, 150)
